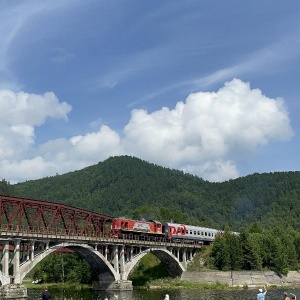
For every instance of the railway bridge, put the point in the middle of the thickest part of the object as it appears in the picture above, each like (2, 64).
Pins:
(30, 230)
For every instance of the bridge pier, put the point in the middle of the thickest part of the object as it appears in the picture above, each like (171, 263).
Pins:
(115, 258)
(5, 263)
(184, 262)
(118, 285)
(107, 281)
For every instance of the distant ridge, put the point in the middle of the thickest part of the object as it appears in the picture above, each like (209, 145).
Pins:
(129, 186)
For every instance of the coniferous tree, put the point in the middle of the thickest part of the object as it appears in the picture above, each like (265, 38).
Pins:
(235, 251)
(6, 188)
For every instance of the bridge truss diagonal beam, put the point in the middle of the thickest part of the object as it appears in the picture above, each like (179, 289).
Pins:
(44, 217)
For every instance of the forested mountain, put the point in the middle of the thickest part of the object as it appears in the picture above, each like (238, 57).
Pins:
(128, 186)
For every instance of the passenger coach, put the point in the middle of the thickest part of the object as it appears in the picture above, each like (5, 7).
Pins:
(189, 232)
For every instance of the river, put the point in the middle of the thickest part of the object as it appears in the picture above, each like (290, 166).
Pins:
(273, 294)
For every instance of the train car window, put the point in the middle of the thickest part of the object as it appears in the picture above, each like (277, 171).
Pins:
(205, 233)
(195, 232)
(198, 232)
(201, 232)
(209, 234)
(191, 231)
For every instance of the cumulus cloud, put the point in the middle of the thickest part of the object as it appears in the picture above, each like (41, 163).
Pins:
(214, 171)
(203, 135)
(206, 131)
(20, 113)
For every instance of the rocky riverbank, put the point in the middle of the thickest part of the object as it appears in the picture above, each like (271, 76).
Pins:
(244, 278)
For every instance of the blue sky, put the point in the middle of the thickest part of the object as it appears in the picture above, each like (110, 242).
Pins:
(207, 87)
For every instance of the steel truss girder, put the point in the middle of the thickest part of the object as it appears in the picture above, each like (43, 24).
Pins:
(28, 215)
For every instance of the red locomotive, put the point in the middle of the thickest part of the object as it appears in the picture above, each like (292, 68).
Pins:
(121, 226)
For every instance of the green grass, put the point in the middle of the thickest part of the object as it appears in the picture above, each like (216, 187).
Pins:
(27, 282)
(185, 284)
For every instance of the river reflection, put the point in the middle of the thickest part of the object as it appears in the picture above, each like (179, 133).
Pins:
(273, 294)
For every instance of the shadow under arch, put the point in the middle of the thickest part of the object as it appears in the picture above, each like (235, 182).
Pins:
(101, 268)
(171, 263)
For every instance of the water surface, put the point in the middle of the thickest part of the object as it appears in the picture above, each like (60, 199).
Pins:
(273, 294)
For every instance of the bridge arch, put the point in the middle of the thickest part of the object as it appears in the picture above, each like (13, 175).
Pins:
(99, 264)
(171, 262)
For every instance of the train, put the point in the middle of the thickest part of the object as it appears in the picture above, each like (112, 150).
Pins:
(151, 229)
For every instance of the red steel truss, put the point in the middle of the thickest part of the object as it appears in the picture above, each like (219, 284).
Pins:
(27, 215)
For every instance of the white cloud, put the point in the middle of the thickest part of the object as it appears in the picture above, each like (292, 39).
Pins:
(103, 143)
(208, 130)
(215, 171)
(30, 109)
(24, 169)
(205, 135)
(20, 113)
(64, 155)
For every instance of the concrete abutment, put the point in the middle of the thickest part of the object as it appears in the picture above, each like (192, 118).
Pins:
(244, 278)
(13, 292)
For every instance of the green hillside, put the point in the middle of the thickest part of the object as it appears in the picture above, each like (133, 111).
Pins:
(128, 186)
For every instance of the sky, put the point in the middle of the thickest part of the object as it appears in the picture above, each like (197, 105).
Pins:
(211, 88)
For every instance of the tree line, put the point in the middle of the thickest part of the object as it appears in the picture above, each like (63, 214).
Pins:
(254, 248)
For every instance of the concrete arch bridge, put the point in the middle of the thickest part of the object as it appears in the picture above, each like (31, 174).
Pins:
(30, 230)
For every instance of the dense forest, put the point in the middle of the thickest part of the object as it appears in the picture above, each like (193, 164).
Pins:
(130, 187)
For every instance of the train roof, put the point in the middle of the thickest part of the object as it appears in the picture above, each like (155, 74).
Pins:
(142, 220)
(193, 227)
(154, 221)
